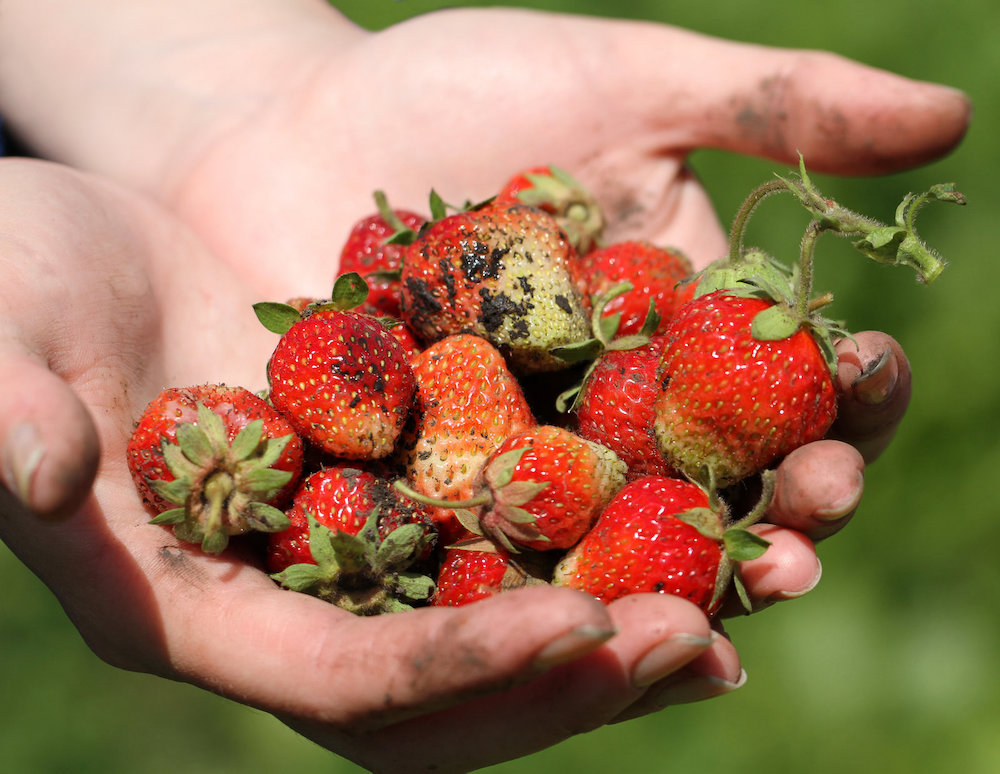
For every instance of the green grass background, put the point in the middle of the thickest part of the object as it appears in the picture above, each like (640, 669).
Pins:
(891, 665)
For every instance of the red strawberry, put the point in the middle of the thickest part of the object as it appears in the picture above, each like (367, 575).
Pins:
(467, 402)
(661, 535)
(340, 377)
(653, 272)
(214, 461)
(556, 192)
(469, 574)
(341, 497)
(502, 271)
(732, 403)
(615, 407)
(354, 542)
(368, 252)
(542, 489)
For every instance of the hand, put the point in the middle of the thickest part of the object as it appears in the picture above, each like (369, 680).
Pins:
(252, 201)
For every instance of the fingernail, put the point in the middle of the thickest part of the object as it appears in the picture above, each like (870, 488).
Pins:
(667, 657)
(877, 380)
(575, 643)
(22, 454)
(845, 505)
(784, 595)
(689, 688)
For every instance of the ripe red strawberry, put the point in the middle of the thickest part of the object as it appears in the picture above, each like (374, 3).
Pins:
(733, 402)
(470, 574)
(503, 271)
(341, 497)
(661, 535)
(653, 272)
(466, 403)
(355, 542)
(368, 252)
(340, 377)
(542, 488)
(214, 461)
(558, 193)
(615, 407)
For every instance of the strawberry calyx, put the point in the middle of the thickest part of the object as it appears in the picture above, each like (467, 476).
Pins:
(349, 291)
(363, 574)
(555, 190)
(221, 488)
(605, 338)
(737, 542)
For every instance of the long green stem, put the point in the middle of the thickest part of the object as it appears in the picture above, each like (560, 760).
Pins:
(738, 229)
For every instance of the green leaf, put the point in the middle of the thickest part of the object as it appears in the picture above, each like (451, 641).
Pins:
(266, 518)
(195, 444)
(320, 544)
(351, 552)
(247, 440)
(501, 468)
(399, 548)
(178, 464)
(741, 545)
(301, 577)
(172, 516)
(438, 208)
(215, 428)
(273, 449)
(214, 542)
(276, 317)
(414, 586)
(176, 491)
(578, 351)
(521, 492)
(705, 520)
(349, 291)
(775, 323)
(266, 480)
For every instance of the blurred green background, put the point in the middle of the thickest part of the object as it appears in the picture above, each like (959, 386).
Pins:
(891, 665)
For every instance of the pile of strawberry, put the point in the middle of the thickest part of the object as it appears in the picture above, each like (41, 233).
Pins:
(492, 397)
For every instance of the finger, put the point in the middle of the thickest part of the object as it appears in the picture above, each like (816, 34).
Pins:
(818, 487)
(366, 673)
(874, 384)
(657, 635)
(844, 117)
(715, 672)
(49, 448)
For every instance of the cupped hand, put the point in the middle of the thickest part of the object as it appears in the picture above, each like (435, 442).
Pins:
(237, 181)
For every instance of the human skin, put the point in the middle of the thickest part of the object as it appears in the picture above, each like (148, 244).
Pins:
(206, 155)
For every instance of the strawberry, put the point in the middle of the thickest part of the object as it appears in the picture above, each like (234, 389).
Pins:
(340, 377)
(355, 542)
(469, 574)
(503, 271)
(214, 461)
(370, 252)
(341, 497)
(466, 403)
(747, 372)
(653, 272)
(732, 402)
(662, 535)
(615, 407)
(542, 488)
(558, 193)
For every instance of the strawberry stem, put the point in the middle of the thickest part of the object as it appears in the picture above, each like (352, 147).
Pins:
(486, 498)
(753, 200)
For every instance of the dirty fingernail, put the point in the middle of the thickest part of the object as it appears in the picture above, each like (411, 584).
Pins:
(575, 643)
(877, 380)
(22, 454)
(689, 688)
(667, 657)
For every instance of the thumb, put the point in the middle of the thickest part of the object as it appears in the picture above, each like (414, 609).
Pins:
(49, 448)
